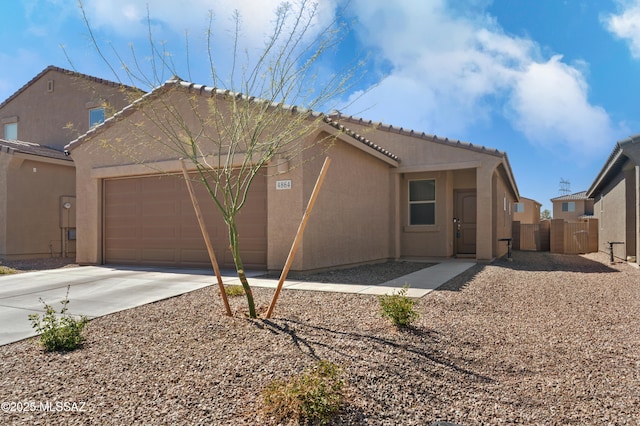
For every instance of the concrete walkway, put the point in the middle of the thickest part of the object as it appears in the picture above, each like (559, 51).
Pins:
(100, 290)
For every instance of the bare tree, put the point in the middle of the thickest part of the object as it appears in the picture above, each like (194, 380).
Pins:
(263, 108)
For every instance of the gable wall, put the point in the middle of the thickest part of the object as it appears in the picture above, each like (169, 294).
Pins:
(43, 115)
(531, 213)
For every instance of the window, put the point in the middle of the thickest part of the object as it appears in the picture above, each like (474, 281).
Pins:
(96, 116)
(422, 202)
(569, 206)
(11, 131)
(518, 207)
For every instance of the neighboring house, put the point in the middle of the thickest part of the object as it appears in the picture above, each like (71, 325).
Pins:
(389, 193)
(616, 191)
(573, 207)
(526, 211)
(37, 180)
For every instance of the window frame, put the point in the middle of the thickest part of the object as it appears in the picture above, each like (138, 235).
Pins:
(571, 206)
(518, 207)
(93, 123)
(8, 125)
(417, 202)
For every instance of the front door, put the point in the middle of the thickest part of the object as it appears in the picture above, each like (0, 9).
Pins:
(465, 213)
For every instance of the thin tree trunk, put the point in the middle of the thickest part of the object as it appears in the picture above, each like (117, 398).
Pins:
(235, 252)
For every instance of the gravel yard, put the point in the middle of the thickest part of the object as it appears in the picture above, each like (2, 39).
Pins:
(545, 339)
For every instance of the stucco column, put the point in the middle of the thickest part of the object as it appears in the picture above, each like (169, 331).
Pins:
(484, 210)
(88, 217)
(5, 159)
(395, 214)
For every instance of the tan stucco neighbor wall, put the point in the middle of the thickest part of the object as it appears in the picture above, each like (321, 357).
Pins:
(582, 207)
(54, 109)
(33, 212)
(530, 213)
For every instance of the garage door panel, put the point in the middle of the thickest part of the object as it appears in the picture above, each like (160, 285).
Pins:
(195, 257)
(158, 255)
(122, 187)
(125, 256)
(151, 221)
(159, 184)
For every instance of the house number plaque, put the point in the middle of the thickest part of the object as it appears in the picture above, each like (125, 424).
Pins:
(283, 184)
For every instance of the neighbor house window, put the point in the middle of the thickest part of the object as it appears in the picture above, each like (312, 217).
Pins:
(569, 206)
(11, 131)
(422, 202)
(518, 207)
(96, 116)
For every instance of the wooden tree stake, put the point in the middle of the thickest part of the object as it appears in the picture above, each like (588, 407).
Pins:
(296, 241)
(207, 240)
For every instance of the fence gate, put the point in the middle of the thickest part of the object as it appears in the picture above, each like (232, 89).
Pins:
(534, 237)
(576, 237)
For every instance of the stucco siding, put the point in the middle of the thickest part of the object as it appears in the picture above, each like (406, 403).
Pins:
(351, 219)
(4, 165)
(503, 216)
(34, 208)
(530, 213)
(611, 213)
(53, 114)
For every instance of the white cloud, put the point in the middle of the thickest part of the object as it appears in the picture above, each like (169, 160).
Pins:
(125, 22)
(451, 72)
(626, 25)
(129, 17)
(550, 105)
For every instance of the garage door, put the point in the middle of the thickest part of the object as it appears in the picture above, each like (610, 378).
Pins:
(151, 221)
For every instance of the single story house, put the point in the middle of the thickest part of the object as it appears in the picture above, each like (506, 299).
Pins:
(389, 193)
(573, 207)
(616, 191)
(37, 180)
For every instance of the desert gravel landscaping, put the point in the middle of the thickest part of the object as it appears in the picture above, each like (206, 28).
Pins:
(544, 339)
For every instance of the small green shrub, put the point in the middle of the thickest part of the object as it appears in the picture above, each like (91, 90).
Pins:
(5, 270)
(399, 307)
(313, 396)
(59, 333)
(234, 290)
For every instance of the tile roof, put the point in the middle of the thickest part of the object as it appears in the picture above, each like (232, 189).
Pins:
(417, 134)
(64, 71)
(31, 149)
(212, 91)
(582, 195)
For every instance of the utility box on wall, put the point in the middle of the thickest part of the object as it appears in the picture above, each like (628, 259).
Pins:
(68, 225)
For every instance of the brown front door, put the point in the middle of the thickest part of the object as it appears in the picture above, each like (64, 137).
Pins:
(465, 212)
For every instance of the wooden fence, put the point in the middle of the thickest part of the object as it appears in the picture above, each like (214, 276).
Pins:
(557, 236)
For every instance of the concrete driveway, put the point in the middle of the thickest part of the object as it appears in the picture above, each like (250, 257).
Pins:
(100, 290)
(94, 291)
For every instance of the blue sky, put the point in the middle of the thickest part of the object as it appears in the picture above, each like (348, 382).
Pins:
(553, 83)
